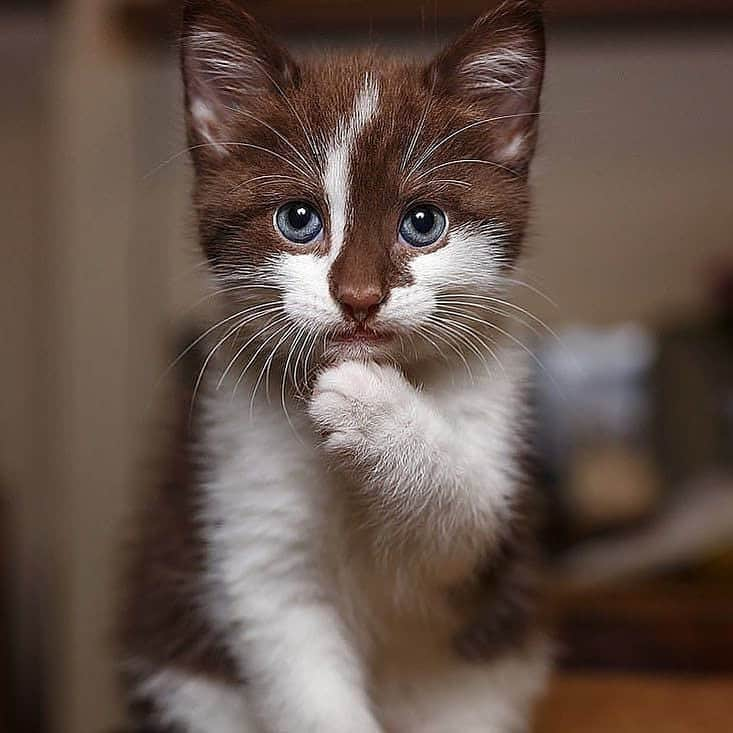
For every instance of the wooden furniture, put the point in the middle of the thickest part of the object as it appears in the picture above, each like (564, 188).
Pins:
(670, 628)
(636, 704)
(152, 20)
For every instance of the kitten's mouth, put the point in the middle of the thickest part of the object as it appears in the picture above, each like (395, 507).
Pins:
(361, 335)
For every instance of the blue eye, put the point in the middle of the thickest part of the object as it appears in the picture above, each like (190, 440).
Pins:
(298, 222)
(423, 225)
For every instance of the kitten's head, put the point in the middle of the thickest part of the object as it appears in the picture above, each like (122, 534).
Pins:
(357, 206)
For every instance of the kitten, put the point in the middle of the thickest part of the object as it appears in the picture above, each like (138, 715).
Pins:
(342, 543)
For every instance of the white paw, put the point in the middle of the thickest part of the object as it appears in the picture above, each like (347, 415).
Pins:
(361, 405)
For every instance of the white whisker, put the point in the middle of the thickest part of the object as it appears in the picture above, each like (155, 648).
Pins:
(209, 357)
(307, 130)
(226, 144)
(466, 328)
(456, 350)
(221, 291)
(449, 326)
(265, 371)
(467, 161)
(467, 298)
(300, 362)
(435, 146)
(533, 289)
(418, 130)
(512, 338)
(240, 186)
(451, 182)
(193, 344)
(272, 322)
(306, 361)
(300, 334)
(259, 350)
(304, 160)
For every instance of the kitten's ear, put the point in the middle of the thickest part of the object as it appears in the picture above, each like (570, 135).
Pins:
(229, 64)
(498, 64)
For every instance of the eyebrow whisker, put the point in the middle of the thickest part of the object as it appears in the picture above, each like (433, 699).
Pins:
(468, 161)
(438, 144)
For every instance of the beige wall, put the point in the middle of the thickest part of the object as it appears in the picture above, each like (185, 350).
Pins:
(633, 199)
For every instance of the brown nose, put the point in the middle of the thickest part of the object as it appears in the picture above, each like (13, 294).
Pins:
(359, 303)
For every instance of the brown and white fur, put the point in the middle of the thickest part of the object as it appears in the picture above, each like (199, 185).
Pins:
(342, 545)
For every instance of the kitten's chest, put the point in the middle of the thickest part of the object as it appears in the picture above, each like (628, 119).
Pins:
(271, 496)
(270, 475)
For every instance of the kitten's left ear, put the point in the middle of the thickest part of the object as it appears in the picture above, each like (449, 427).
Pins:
(498, 64)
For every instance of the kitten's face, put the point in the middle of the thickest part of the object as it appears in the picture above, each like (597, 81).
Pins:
(357, 207)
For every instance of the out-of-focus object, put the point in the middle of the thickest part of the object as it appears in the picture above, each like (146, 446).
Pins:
(694, 398)
(594, 407)
(694, 378)
(693, 530)
(668, 625)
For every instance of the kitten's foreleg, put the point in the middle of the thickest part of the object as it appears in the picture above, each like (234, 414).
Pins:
(421, 473)
(302, 670)
(303, 675)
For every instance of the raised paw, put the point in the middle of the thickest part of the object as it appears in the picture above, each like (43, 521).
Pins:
(359, 405)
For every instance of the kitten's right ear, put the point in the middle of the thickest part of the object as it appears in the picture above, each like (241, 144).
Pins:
(498, 65)
(229, 62)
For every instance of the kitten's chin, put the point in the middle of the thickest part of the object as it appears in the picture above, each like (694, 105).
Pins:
(356, 350)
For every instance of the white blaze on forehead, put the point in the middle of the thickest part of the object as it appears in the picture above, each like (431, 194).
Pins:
(338, 161)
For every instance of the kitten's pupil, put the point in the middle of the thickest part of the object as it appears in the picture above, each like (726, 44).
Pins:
(299, 217)
(298, 222)
(423, 220)
(422, 225)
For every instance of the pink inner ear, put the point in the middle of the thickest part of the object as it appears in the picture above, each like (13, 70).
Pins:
(207, 124)
(513, 150)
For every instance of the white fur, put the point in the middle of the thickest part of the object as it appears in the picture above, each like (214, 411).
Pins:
(432, 486)
(424, 694)
(414, 694)
(337, 178)
(266, 514)
(226, 65)
(505, 70)
(198, 704)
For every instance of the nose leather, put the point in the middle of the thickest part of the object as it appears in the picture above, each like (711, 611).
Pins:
(359, 302)
(360, 276)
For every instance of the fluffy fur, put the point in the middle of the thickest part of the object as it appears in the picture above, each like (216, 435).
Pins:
(343, 544)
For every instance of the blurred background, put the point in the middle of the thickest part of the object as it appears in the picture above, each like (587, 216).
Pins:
(630, 264)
